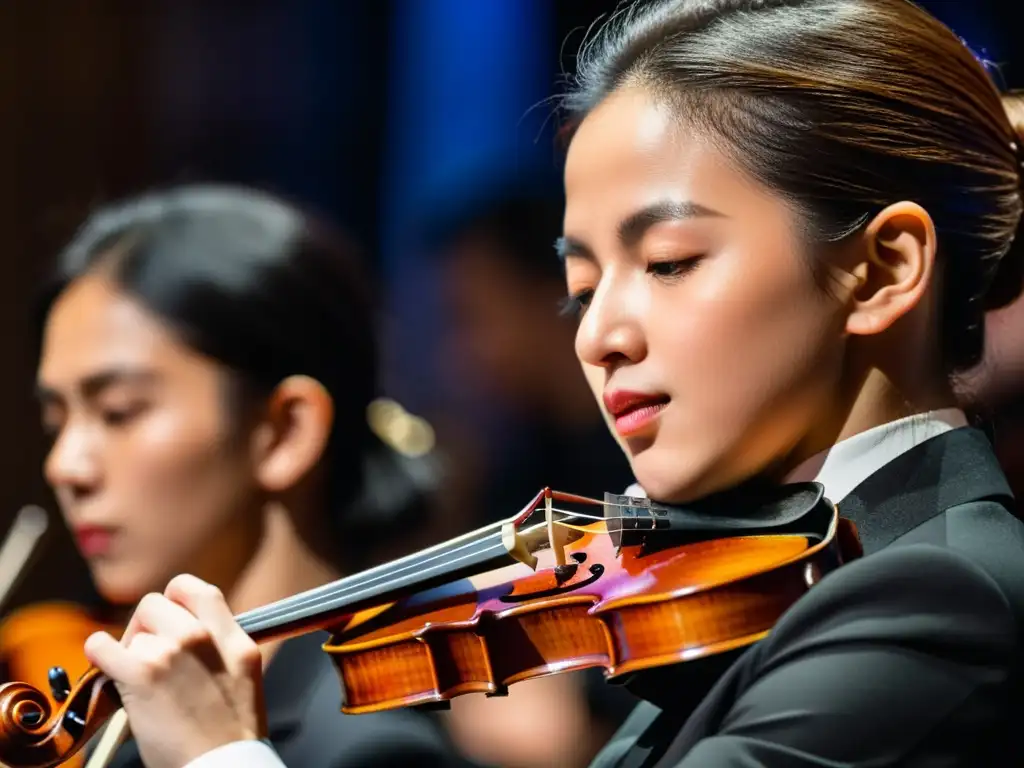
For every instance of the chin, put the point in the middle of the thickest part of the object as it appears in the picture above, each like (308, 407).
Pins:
(672, 476)
(120, 586)
(663, 483)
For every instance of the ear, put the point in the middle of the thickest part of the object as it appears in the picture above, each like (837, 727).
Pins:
(894, 268)
(292, 436)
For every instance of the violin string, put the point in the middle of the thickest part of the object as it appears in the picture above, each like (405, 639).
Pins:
(285, 614)
(401, 565)
(293, 607)
(338, 591)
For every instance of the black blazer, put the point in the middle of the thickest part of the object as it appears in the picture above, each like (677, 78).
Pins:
(308, 730)
(910, 656)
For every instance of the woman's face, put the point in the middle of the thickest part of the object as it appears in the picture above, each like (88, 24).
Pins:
(703, 332)
(148, 474)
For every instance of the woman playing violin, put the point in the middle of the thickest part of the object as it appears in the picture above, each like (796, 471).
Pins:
(206, 365)
(785, 222)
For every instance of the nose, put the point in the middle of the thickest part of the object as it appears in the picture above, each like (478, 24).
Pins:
(72, 466)
(611, 331)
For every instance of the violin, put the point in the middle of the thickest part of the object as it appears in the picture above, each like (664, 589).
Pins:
(34, 638)
(623, 584)
(38, 637)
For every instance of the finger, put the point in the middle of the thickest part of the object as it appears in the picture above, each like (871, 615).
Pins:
(157, 615)
(135, 625)
(241, 655)
(153, 656)
(131, 629)
(112, 659)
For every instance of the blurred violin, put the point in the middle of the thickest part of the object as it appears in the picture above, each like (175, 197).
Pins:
(37, 637)
(569, 583)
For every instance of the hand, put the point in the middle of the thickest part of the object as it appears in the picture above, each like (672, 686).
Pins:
(190, 679)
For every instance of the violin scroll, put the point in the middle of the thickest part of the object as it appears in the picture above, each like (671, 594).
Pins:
(36, 734)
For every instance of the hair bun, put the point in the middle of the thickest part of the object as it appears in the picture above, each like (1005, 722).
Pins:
(400, 469)
(396, 488)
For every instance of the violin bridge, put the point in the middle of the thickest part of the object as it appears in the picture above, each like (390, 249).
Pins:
(516, 545)
(557, 534)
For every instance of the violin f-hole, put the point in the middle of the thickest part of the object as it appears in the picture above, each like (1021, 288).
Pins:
(596, 571)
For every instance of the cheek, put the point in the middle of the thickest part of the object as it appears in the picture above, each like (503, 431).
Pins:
(177, 485)
(749, 332)
(596, 376)
(750, 364)
(176, 454)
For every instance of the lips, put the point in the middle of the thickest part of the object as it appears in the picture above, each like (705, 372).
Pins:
(634, 412)
(94, 540)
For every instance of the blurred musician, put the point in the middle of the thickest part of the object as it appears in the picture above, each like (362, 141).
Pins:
(207, 364)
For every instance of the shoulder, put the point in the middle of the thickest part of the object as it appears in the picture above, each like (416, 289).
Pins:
(905, 594)
(987, 534)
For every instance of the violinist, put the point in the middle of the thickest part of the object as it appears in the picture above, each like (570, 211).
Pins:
(206, 366)
(784, 224)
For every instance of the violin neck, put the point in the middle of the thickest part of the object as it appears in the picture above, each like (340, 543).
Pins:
(322, 607)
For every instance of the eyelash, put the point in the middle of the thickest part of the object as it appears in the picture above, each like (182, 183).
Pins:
(574, 305)
(680, 267)
(120, 417)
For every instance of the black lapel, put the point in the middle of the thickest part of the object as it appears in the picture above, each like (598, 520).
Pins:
(943, 472)
(950, 469)
(289, 682)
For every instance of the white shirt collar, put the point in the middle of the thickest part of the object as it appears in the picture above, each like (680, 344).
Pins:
(850, 462)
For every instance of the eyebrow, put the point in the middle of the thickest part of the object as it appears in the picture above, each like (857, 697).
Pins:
(92, 385)
(632, 228)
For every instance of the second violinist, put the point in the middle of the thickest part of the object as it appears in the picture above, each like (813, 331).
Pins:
(206, 367)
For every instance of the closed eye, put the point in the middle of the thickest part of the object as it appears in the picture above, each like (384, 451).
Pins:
(674, 268)
(119, 417)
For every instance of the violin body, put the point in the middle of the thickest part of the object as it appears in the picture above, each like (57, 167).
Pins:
(624, 611)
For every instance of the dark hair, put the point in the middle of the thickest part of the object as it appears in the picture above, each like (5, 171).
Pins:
(261, 288)
(843, 107)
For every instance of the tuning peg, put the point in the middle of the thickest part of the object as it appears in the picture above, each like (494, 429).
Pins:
(60, 686)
